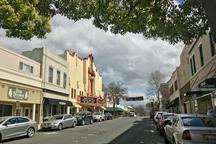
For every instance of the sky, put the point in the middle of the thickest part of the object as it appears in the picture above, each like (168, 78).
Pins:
(129, 58)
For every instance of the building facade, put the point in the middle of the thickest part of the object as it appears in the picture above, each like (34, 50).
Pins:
(202, 69)
(20, 86)
(174, 92)
(55, 81)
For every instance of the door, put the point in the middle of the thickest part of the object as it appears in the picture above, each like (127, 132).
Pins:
(10, 129)
(27, 112)
(22, 124)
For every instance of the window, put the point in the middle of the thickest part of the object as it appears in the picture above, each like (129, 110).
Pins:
(22, 120)
(25, 67)
(50, 74)
(58, 77)
(201, 55)
(193, 65)
(64, 80)
(212, 42)
(193, 121)
(176, 86)
(71, 92)
(74, 93)
(5, 110)
(11, 121)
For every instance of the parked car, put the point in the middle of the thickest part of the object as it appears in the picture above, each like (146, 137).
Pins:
(84, 117)
(59, 122)
(156, 116)
(16, 126)
(186, 128)
(108, 116)
(164, 120)
(160, 121)
(98, 116)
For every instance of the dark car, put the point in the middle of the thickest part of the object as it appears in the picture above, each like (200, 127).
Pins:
(84, 117)
(108, 116)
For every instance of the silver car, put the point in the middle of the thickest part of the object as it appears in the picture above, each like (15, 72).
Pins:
(15, 126)
(98, 116)
(190, 128)
(59, 122)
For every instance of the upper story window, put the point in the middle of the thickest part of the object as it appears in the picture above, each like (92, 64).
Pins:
(193, 65)
(201, 55)
(176, 86)
(212, 43)
(25, 67)
(50, 75)
(58, 77)
(64, 80)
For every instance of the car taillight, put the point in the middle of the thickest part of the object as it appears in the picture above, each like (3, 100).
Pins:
(186, 135)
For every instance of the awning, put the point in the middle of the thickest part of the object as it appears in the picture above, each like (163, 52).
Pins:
(110, 109)
(208, 83)
(102, 107)
(57, 102)
(77, 105)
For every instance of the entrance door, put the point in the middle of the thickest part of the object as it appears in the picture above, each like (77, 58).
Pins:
(27, 112)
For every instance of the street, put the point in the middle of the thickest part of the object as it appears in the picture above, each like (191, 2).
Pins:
(123, 130)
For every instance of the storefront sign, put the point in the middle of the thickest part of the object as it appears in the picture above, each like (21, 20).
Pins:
(18, 94)
(88, 100)
(62, 103)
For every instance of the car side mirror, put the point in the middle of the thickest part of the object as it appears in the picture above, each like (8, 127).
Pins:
(6, 124)
(157, 117)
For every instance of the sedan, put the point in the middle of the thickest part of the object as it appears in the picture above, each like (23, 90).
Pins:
(59, 122)
(190, 128)
(16, 126)
(84, 117)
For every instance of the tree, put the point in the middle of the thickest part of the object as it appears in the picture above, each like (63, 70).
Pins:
(156, 78)
(153, 18)
(116, 91)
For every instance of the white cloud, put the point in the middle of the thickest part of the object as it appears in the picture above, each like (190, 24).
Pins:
(129, 58)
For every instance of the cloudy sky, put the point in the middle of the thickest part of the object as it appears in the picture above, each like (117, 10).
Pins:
(129, 58)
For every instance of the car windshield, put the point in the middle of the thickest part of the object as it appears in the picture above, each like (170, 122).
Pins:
(56, 117)
(79, 114)
(193, 121)
(97, 113)
(209, 121)
(2, 119)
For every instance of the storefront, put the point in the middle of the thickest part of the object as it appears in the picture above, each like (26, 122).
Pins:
(91, 103)
(55, 106)
(21, 100)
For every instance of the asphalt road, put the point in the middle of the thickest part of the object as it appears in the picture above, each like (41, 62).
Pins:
(125, 130)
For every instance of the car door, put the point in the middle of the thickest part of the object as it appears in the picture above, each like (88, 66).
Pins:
(67, 121)
(22, 125)
(10, 128)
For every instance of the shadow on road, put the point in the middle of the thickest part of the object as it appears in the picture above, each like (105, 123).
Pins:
(142, 132)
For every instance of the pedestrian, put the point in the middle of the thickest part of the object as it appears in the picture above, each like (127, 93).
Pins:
(210, 111)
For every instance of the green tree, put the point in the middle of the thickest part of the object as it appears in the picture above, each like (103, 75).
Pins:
(153, 18)
(155, 79)
(116, 91)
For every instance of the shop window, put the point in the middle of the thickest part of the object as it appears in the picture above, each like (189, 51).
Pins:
(71, 92)
(5, 110)
(75, 93)
(58, 77)
(50, 74)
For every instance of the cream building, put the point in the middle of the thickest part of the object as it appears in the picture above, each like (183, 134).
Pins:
(55, 81)
(202, 69)
(85, 83)
(20, 86)
(174, 93)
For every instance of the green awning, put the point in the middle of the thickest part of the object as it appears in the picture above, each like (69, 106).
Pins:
(110, 109)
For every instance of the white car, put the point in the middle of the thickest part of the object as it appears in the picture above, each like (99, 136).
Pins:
(190, 128)
(98, 116)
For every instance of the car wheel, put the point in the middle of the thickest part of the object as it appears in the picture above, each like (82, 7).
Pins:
(30, 132)
(83, 122)
(60, 127)
(74, 124)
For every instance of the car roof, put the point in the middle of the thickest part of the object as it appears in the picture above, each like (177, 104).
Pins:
(192, 115)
